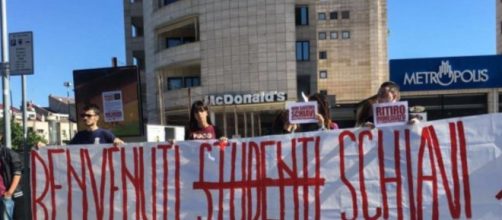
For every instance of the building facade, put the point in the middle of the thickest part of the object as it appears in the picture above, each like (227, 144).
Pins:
(498, 23)
(53, 127)
(451, 86)
(53, 123)
(63, 105)
(248, 58)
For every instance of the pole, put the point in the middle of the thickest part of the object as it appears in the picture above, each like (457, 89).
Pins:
(5, 76)
(114, 62)
(68, 86)
(26, 149)
(189, 102)
(69, 111)
(25, 129)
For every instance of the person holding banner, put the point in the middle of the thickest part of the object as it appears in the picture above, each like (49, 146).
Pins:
(282, 125)
(388, 92)
(323, 114)
(364, 112)
(11, 168)
(94, 134)
(200, 126)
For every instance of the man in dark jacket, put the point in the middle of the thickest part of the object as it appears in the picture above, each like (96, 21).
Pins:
(11, 168)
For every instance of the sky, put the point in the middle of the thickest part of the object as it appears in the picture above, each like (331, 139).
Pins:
(75, 34)
(67, 35)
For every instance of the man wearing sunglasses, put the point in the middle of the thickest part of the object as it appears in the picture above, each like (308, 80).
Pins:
(93, 134)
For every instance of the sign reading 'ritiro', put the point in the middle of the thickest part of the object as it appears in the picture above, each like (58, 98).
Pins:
(254, 98)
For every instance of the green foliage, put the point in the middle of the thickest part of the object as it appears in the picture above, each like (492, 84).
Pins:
(17, 136)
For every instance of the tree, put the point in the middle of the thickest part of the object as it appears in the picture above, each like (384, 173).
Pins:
(17, 136)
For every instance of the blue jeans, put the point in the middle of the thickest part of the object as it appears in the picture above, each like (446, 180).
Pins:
(7, 209)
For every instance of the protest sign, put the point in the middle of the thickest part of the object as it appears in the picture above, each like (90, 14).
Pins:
(390, 114)
(302, 112)
(445, 169)
(113, 109)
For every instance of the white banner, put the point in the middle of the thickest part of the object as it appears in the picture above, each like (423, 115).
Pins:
(434, 170)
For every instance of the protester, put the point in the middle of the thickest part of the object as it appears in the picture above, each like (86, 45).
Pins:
(388, 92)
(282, 125)
(200, 126)
(364, 112)
(93, 134)
(323, 115)
(11, 168)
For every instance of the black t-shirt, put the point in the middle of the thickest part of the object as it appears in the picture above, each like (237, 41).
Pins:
(89, 137)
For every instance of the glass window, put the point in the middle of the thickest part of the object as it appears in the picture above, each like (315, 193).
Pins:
(302, 15)
(322, 35)
(345, 14)
(334, 35)
(323, 55)
(302, 50)
(173, 42)
(333, 15)
(134, 31)
(192, 81)
(166, 2)
(447, 106)
(176, 41)
(345, 34)
(174, 83)
(323, 74)
(500, 101)
(321, 16)
(302, 85)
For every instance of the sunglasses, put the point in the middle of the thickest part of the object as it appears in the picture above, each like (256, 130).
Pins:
(86, 115)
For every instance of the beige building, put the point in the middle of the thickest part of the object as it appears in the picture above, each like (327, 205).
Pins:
(53, 123)
(499, 26)
(51, 126)
(249, 57)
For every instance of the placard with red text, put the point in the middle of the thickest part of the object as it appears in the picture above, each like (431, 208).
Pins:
(447, 169)
(302, 112)
(390, 114)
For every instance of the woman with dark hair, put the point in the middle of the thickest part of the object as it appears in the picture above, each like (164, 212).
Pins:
(282, 125)
(200, 126)
(324, 114)
(364, 112)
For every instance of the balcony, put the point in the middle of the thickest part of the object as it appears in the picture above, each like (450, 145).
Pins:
(176, 81)
(178, 33)
(187, 53)
(178, 99)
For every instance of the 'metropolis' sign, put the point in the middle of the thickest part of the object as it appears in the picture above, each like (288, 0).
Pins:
(447, 73)
(252, 98)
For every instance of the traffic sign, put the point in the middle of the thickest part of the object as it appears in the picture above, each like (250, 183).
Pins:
(21, 53)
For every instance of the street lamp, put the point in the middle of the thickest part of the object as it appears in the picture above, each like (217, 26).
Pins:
(68, 86)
